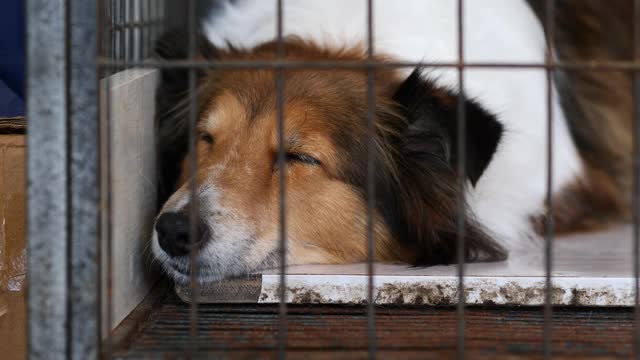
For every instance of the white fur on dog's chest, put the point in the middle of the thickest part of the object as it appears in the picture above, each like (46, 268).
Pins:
(504, 31)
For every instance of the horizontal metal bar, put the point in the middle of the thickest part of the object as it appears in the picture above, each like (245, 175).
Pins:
(135, 25)
(274, 64)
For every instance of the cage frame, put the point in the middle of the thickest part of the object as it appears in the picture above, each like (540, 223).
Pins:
(65, 202)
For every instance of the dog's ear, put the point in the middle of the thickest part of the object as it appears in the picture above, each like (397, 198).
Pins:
(172, 105)
(174, 46)
(419, 197)
(429, 106)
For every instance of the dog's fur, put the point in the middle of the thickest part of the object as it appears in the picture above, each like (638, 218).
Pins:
(599, 109)
(325, 115)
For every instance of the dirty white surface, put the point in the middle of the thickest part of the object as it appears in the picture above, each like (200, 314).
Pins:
(132, 107)
(593, 269)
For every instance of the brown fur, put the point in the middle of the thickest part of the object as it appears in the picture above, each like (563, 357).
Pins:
(598, 104)
(325, 115)
(240, 113)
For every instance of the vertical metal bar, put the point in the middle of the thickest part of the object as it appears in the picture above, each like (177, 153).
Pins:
(136, 39)
(282, 328)
(47, 170)
(114, 32)
(84, 224)
(141, 44)
(119, 21)
(122, 20)
(636, 179)
(462, 181)
(548, 244)
(148, 29)
(106, 197)
(193, 182)
(107, 179)
(126, 30)
(104, 36)
(129, 11)
(371, 190)
(105, 268)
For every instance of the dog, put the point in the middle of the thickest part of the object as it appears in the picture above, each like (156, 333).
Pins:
(415, 138)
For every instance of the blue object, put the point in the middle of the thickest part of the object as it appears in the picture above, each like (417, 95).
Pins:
(12, 58)
(11, 105)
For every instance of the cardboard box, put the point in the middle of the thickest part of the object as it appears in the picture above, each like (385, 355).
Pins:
(12, 238)
(12, 205)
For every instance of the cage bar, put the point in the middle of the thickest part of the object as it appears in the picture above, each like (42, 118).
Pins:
(65, 173)
(106, 199)
(193, 182)
(47, 174)
(345, 64)
(282, 310)
(461, 173)
(112, 50)
(83, 177)
(635, 201)
(371, 186)
(548, 243)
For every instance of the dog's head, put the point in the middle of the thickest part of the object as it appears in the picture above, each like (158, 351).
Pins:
(324, 175)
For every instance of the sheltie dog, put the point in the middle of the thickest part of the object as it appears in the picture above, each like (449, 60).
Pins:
(415, 133)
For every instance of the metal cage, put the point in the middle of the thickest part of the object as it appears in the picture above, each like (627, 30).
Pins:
(71, 46)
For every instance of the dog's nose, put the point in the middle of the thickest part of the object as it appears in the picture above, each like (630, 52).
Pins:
(173, 233)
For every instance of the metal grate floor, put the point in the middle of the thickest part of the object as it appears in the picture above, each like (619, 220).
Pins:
(331, 331)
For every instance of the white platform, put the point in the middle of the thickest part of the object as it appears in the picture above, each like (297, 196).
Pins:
(588, 270)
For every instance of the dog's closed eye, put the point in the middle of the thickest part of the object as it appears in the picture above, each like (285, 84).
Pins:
(206, 137)
(302, 158)
(296, 158)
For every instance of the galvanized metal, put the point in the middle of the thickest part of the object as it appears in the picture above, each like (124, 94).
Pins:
(346, 64)
(371, 186)
(636, 180)
(548, 243)
(461, 186)
(84, 179)
(63, 197)
(194, 203)
(282, 165)
(47, 169)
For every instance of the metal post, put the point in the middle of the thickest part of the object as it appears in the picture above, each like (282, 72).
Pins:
(83, 179)
(47, 226)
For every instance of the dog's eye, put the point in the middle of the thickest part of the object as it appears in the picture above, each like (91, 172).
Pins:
(206, 138)
(302, 158)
